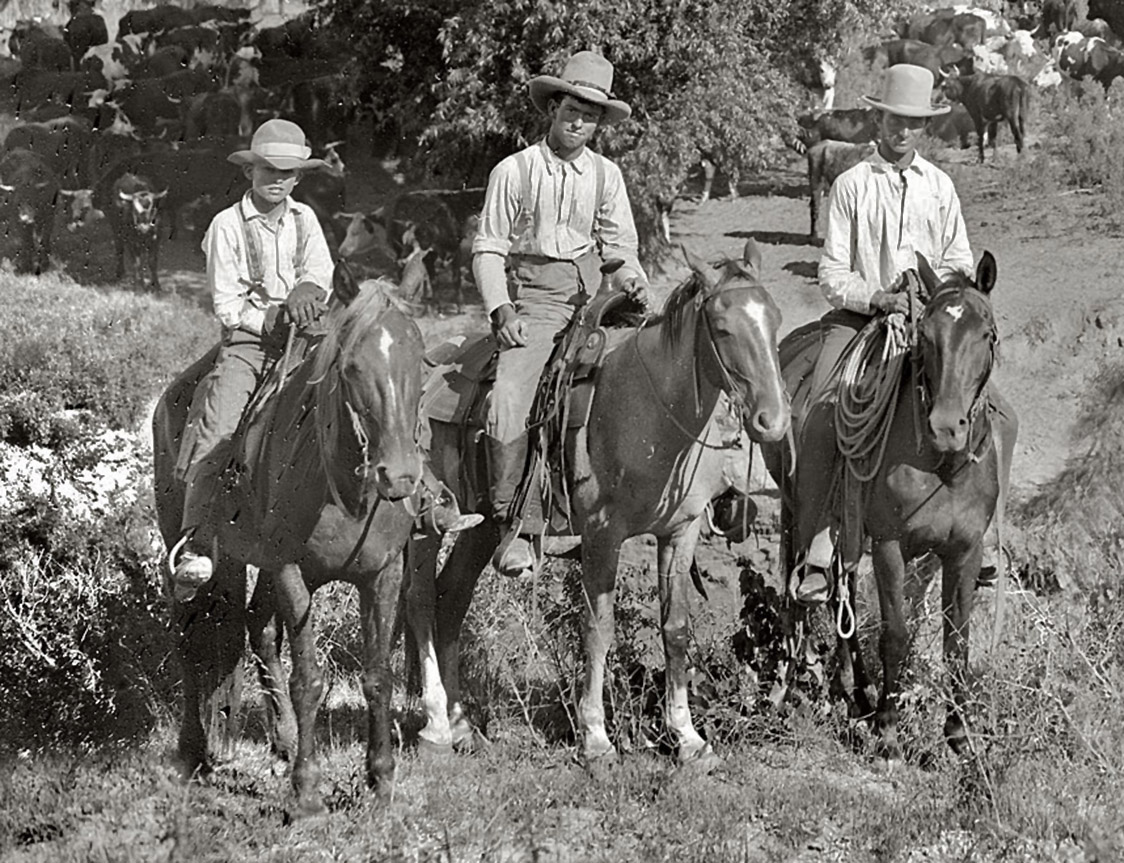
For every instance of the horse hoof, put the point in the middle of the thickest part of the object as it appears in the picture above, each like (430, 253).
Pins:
(599, 764)
(467, 738)
(701, 761)
(429, 750)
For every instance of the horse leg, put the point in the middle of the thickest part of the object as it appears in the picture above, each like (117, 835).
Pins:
(455, 585)
(421, 598)
(600, 554)
(378, 599)
(958, 590)
(675, 556)
(211, 644)
(889, 571)
(306, 687)
(265, 640)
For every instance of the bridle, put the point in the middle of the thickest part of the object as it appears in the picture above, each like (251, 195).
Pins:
(728, 376)
(923, 387)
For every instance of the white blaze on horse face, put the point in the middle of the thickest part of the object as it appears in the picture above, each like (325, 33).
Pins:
(955, 312)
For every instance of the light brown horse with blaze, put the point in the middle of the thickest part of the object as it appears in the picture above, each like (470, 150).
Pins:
(672, 404)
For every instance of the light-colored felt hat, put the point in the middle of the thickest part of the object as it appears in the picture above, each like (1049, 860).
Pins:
(587, 76)
(907, 91)
(280, 144)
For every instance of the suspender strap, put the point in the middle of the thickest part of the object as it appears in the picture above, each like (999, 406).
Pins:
(523, 162)
(254, 253)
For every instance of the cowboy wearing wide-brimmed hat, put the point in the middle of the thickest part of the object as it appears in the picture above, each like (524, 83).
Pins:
(268, 264)
(553, 213)
(881, 214)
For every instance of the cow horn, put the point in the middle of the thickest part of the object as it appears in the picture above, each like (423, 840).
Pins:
(7, 188)
(125, 196)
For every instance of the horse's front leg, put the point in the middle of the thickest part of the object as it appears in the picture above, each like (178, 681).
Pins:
(455, 585)
(675, 556)
(378, 602)
(211, 643)
(266, 634)
(958, 590)
(306, 686)
(889, 572)
(600, 555)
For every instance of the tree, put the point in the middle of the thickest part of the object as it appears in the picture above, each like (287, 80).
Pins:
(708, 77)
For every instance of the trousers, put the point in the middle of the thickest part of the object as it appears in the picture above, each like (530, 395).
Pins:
(216, 409)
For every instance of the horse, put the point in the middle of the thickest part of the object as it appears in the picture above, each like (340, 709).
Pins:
(935, 489)
(671, 404)
(333, 463)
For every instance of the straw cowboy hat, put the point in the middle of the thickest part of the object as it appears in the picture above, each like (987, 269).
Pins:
(279, 144)
(587, 76)
(908, 92)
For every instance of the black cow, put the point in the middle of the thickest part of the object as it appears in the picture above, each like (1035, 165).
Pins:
(935, 59)
(63, 143)
(989, 99)
(134, 217)
(38, 50)
(199, 177)
(29, 191)
(156, 20)
(36, 88)
(1101, 62)
(853, 125)
(826, 161)
(82, 32)
(948, 27)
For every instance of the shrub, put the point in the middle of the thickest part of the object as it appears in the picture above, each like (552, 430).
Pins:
(70, 348)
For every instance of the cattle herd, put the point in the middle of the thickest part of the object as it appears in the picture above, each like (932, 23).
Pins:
(128, 123)
(985, 64)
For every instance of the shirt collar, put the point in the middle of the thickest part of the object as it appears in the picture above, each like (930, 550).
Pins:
(919, 165)
(553, 163)
(250, 212)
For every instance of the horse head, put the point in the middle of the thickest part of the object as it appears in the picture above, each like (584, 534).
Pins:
(369, 380)
(736, 342)
(957, 339)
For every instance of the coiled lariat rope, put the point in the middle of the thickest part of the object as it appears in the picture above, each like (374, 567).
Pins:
(867, 397)
(864, 410)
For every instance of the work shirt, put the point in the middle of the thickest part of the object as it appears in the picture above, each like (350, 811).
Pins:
(540, 205)
(238, 302)
(878, 218)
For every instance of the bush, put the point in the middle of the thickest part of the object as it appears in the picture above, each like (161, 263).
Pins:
(83, 643)
(69, 348)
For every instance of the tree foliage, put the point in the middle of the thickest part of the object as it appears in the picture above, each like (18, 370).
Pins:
(714, 77)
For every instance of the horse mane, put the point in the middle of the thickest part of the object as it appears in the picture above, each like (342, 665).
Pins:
(681, 302)
(328, 403)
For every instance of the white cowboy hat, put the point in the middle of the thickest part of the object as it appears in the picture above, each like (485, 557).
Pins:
(279, 144)
(587, 76)
(907, 91)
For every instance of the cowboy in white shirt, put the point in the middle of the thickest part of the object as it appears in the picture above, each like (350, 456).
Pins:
(881, 213)
(553, 213)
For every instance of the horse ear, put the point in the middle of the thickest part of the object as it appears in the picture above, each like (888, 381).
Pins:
(751, 257)
(928, 276)
(698, 266)
(344, 284)
(986, 272)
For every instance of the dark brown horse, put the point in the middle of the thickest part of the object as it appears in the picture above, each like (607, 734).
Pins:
(333, 459)
(665, 436)
(936, 488)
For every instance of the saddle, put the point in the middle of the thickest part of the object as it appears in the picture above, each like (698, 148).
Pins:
(456, 393)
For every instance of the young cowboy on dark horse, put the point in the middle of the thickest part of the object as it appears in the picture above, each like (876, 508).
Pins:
(553, 213)
(881, 214)
(268, 269)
